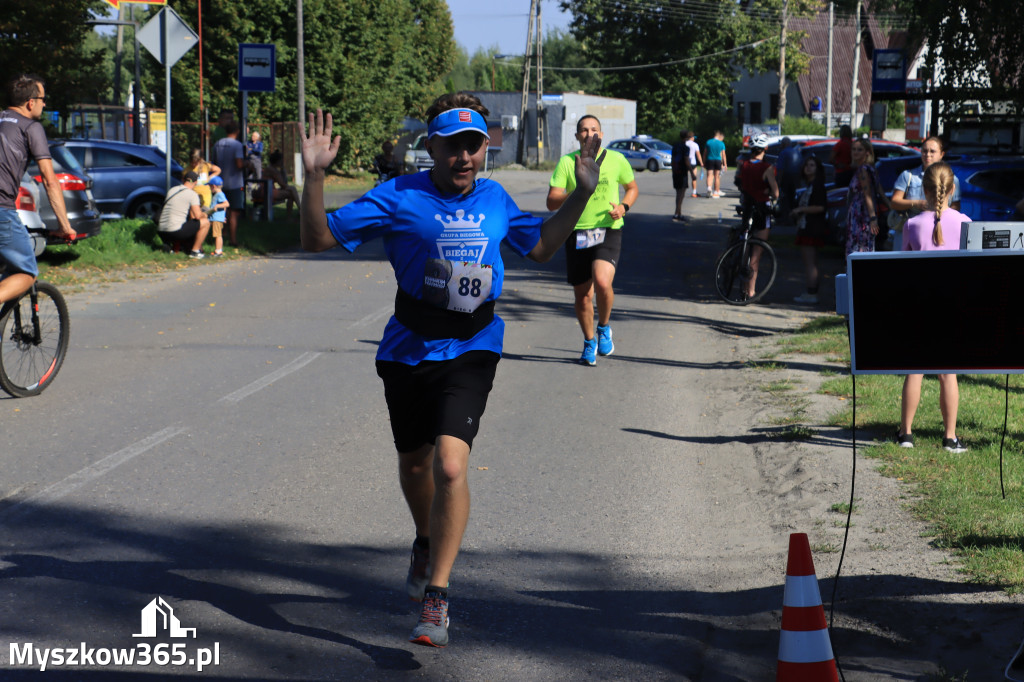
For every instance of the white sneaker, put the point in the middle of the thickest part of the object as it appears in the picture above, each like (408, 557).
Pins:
(806, 298)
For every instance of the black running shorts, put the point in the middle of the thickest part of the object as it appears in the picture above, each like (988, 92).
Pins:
(437, 398)
(579, 263)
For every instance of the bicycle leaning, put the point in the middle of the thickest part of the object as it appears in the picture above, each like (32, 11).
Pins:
(745, 270)
(35, 331)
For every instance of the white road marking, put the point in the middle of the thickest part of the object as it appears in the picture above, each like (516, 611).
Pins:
(386, 311)
(246, 391)
(90, 473)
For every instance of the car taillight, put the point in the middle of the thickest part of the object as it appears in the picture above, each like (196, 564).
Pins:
(68, 182)
(24, 201)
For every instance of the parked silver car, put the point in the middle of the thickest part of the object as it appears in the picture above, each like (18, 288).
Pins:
(644, 152)
(27, 206)
(416, 156)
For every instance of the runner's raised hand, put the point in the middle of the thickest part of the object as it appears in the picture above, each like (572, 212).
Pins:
(318, 150)
(588, 164)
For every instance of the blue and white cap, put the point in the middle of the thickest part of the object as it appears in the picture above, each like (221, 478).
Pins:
(455, 121)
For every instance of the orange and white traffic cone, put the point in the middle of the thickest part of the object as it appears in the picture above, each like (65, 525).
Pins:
(805, 652)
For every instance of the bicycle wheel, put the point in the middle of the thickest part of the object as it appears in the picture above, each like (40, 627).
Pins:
(730, 276)
(733, 272)
(29, 361)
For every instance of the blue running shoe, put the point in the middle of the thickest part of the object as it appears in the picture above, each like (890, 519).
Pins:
(604, 340)
(589, 356)
(432, 630)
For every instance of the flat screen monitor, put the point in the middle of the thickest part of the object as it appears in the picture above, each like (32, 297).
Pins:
(985, 235)
(936, 312)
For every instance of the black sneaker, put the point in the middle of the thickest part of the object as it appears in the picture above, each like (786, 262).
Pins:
(196, 254)
(419, 572)
(432, 630)
(904, 440)
(954, 444)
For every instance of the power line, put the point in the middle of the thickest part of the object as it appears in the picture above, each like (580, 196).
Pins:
(646, 66)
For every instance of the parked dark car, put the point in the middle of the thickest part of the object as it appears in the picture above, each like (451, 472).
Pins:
(79, 203)
(990, 187)
(884, 149)
(888, 170)
(128, 179)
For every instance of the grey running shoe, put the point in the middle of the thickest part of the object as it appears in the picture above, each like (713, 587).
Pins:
(954, 444)
(432, 630)
(419, 572)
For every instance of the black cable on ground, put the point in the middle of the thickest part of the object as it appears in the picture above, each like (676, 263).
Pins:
(1006, 416)
(846, 532)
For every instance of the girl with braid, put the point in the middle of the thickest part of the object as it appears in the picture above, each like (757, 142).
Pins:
(937, 229)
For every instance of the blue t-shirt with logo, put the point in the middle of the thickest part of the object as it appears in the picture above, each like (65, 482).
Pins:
(444, 248)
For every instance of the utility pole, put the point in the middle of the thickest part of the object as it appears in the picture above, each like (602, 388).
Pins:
(828, 86)
(782, 66)
(300, 64)
(119, 55)
(521, 152)
(540, 90)
(856, 68)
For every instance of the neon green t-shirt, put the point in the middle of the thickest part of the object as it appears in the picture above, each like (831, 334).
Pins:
(615, 171)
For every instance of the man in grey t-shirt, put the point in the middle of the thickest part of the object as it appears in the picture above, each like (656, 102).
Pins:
(21, 138)
(229, 154)
(182, 216)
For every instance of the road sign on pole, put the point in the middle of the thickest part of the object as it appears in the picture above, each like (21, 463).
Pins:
(167, 38)
(257, 66)
(180, 38)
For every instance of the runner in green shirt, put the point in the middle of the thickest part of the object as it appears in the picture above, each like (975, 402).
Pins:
(592, 251)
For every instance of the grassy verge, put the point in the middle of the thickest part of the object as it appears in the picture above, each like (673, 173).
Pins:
(960, 495)
(125, 249)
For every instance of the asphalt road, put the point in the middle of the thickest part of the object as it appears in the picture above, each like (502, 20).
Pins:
(218, 438)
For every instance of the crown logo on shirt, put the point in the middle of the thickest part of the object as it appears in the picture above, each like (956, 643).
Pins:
(461, 221)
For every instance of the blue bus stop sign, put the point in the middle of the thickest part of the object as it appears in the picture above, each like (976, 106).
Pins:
(257, 65)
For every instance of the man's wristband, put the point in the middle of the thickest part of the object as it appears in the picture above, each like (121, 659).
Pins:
(625, 207)
(873, 219)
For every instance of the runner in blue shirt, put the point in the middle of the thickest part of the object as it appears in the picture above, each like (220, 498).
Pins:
(442, 230)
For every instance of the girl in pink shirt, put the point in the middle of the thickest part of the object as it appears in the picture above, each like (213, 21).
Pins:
(937, 229)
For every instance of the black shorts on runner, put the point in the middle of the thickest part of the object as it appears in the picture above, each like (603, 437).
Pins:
(713, 165)
(437, 398)
(681, 180)
(579, 263)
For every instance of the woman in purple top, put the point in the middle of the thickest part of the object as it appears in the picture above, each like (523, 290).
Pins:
(937, 229)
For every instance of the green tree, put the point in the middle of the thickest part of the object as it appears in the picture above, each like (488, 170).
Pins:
(684, 55)
(49, 39)
(368, 62)
(974, 49)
